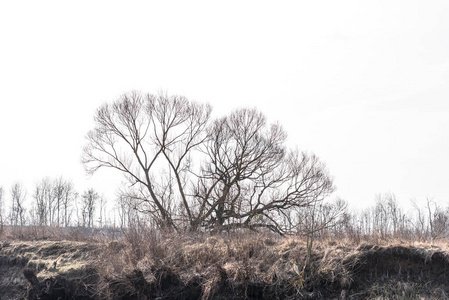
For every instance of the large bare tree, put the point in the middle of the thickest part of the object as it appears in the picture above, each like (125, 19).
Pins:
(250, 178)
(149, 138)
(187, 171)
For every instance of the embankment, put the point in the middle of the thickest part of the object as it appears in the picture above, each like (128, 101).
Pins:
(221, 267)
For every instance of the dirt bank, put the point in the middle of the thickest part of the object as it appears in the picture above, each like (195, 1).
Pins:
(52, 261)
(220, 268)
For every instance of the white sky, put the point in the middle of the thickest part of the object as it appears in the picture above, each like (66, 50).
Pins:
(362, 84)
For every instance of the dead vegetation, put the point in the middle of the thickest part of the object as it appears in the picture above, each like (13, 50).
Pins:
(227, 266)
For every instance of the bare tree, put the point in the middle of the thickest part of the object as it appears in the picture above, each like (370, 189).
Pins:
(18, 196)
(122, 210)
(187, 172)
(318, 217)
(144, 136)
(69, 196)
(42, 192)
(89, 198)
(49, 194)
(102, 208)
(250, 179)
(59, 187)
(53, 200)
(419, 222)
(438, 219)
(127, 210)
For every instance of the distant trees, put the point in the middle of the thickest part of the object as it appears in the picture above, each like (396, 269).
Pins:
(52, 204)
(126, 208)
(187, 171)
(386, 219)
(53, 200)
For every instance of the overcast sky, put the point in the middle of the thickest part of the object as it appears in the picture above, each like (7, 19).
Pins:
(362, 84)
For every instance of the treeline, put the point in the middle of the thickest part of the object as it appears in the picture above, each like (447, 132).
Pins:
(56, 203)
(52, 203)
(188, 171)
(387, 220)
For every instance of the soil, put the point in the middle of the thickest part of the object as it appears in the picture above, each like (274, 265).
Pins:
(72, 270)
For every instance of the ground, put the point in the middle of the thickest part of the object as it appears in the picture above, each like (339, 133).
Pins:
(221, 267)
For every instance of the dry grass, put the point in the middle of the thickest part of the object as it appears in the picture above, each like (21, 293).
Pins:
(260, 266)
(240, 266)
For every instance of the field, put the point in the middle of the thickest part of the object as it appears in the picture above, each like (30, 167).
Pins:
(154, 265)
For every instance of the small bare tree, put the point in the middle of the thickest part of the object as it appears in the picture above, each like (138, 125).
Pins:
(419, 222)
(89, 198)
(18, 196)
(318, 217)
(48, 188)
(127, 210)
(59, 187)
(68, 198)
(438, 219)
(102, 209)
(42, 192)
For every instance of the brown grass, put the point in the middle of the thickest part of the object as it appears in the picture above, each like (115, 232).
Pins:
(260, 266)
(238, 266)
